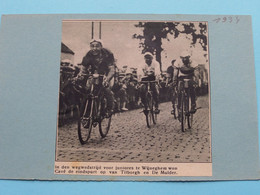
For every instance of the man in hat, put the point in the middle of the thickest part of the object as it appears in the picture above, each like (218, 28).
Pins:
(150, 70)
(100, 60)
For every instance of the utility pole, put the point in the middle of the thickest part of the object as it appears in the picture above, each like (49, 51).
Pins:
(92, 31)
(99, 30)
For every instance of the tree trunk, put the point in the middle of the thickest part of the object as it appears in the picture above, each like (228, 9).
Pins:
(159, 51)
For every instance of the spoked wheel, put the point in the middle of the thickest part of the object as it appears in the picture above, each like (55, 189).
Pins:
(154, 118)
(190, 119)
(182, 114)
(175, 107)
(175, 110)
(104, 126)
(149, 115)
(189, 115)
(154, 115)
(105, 122)
(85, 123)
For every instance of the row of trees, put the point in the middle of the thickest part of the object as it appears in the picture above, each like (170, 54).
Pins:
(154, 32)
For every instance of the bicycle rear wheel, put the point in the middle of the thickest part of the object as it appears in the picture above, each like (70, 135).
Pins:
(85, 122)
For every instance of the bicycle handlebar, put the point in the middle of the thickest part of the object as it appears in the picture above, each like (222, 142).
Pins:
(96, 75)
(148, 81)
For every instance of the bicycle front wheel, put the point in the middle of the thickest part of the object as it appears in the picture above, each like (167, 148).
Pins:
(189, 115)
(104, 126)
(182, 113)
(154, 115)
(85, 122)
(150, 113)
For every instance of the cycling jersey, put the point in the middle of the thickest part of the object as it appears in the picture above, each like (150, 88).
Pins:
(154, 69)
(99, 63)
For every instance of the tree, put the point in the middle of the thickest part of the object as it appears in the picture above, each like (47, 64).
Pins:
(154, 32)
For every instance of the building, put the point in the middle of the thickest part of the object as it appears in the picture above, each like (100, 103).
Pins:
(66, 53)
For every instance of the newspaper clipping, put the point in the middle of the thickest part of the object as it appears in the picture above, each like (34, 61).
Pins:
(134, 99)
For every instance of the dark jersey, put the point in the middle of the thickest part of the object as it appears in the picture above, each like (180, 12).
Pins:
(170, 71)
(99, 63)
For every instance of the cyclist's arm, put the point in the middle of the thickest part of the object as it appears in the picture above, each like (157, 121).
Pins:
(175, 74)
(111, 66)
(111, 72)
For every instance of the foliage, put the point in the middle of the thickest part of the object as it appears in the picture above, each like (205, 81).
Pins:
(154, 32)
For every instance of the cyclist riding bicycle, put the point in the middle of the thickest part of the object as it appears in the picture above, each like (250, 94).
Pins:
(150, 71)
(172, 85)
(101, 61)
(186, 71)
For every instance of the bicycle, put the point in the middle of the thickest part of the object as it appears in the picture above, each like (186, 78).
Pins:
(185, 116)
(151, 116)
(173, 93)
(92, 114)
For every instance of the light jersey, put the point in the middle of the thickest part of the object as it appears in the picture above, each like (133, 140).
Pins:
(154, 67)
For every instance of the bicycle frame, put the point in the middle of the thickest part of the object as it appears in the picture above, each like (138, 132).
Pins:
(186, 116)
(91, 116)
(149, 113)
(92, 96)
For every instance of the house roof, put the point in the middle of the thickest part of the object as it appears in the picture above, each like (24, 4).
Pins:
(65, 49)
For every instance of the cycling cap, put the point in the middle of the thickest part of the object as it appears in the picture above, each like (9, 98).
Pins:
(97, 40)
(148, 54)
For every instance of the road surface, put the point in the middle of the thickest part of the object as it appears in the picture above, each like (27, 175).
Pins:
(129, 139)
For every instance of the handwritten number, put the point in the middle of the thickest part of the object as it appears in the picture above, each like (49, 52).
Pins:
(229, 18)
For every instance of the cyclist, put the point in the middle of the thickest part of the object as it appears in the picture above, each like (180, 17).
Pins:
(172, 83)
(186, 71)
(100, 60)
(150, 71)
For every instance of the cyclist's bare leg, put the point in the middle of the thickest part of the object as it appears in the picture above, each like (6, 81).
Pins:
(155, 89)
(110, 100)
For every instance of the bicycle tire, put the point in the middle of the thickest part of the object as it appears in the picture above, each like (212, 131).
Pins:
(151, 106)
(84, 132)
(190, 115)
(149, 115)
(174, 114)
(106, 126)
(104, 123)
(154, 118)
(182, 113)
(190, 119)
(174, 105)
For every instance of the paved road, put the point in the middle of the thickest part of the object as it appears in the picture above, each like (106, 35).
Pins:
(129, 140)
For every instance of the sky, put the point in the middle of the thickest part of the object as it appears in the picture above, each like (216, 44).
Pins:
(117, 37)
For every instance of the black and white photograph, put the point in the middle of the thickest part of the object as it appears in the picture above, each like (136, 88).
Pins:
(135, 93)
